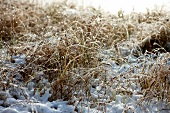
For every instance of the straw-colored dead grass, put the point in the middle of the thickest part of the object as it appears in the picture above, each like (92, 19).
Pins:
(70, 54)
(157, 42)
(156, 83)
(66, 45)
(19, 18)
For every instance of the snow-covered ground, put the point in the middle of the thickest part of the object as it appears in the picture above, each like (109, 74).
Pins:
(20, 99)
(28, 99)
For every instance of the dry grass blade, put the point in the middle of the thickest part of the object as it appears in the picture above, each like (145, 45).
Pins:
(156, 84)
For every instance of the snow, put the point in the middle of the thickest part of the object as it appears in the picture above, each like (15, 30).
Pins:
(8, 110)
(24, 106)
(28, 99)
(20, 99)
(25, 100)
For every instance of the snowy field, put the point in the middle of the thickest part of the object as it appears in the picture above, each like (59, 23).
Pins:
(119, 86)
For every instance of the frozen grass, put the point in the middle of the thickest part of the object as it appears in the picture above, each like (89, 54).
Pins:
(156, 83)
(64, 44)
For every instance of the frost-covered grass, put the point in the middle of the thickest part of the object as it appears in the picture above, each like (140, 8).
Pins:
(65, 58)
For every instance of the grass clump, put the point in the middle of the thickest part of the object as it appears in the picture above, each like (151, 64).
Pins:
(19, 18)
(66, 50)
(156, 83)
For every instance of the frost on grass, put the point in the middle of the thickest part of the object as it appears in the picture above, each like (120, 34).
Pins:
(64, 58)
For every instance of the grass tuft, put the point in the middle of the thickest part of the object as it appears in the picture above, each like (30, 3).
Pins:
(156, 83)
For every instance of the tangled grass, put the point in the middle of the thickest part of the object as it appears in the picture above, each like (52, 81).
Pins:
(64, 42)
(156, 83)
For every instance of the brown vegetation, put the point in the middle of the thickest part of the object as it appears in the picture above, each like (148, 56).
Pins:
(156, 41)
(156, 83)
(66, 47)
